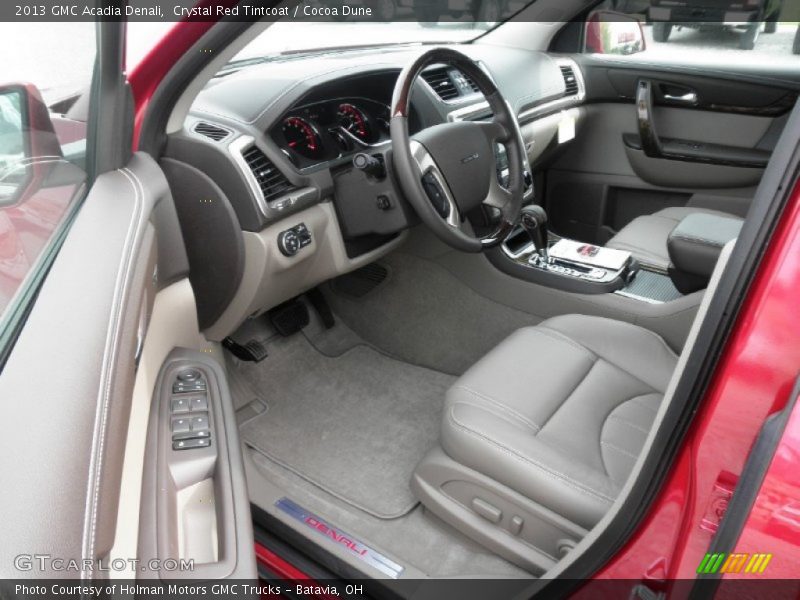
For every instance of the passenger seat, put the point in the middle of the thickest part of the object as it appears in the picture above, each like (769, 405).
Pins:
(646, 237)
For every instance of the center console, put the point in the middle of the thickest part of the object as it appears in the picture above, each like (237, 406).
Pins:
(694, 247)
(530, 253)
(519, 248)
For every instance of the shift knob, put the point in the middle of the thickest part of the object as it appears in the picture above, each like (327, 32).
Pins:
(533, 220)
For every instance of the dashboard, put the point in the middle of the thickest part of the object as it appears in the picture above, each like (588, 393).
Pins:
(293, 161)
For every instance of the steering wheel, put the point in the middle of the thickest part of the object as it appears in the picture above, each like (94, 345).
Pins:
(449, 169)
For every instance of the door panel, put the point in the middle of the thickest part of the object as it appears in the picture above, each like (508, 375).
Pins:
(80, 370)
(600, 147)
(717, 91)
(606, 176)
(667, 172)
(82, 374)
(71, 371)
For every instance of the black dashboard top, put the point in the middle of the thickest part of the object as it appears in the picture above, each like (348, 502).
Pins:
(259, 95)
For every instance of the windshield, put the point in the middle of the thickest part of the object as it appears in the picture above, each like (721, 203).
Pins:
(452, 26)
(288, 37)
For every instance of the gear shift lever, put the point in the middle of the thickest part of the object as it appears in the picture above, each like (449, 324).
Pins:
(533, 220)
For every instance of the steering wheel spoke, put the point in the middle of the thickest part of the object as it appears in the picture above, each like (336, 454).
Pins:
(495, 131)
(435, 186)
(498, 196)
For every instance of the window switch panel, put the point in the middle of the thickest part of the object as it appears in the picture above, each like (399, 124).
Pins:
(200, 423)
(179, 405)
(191, 435)
(181, 425)
(198, 403)
(181, 387)
(189, 444)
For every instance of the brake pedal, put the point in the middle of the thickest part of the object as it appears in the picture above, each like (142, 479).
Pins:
(252, 351)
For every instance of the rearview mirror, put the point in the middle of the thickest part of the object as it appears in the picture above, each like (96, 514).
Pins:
(27, 141)
(609, 32)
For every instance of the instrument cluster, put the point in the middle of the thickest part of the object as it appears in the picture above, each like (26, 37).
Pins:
(329, 130)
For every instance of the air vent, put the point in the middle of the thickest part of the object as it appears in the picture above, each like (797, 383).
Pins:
(473, 86)
(272, 182)
(449, 83)
(570, 81)
(441, 82)
(214, 132)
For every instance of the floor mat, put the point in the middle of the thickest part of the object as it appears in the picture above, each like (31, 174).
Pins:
(355, 425)
(423, 314)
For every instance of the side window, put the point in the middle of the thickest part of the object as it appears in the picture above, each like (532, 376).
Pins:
(685, 32)
(44, 105)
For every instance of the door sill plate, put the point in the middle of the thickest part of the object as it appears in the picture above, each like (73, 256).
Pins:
(357, 548)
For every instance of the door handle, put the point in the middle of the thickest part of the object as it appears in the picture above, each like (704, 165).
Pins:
(687, 98)
(651, 144)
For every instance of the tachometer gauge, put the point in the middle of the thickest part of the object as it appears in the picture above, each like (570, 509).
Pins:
(301, 137)
(354, 120)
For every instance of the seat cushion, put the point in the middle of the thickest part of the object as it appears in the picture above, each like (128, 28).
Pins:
(559, 412)
(646, 237)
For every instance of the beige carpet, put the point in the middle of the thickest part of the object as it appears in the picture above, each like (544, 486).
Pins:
(355, 425)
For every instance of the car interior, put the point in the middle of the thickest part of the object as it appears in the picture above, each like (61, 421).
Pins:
(422, 308)
(453, 404)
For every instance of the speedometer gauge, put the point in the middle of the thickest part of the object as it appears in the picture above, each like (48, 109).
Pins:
(301, 137)
(354, 120)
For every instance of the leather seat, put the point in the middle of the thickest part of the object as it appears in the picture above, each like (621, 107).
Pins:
(540, 436)
(646, 237)
(559, 412)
